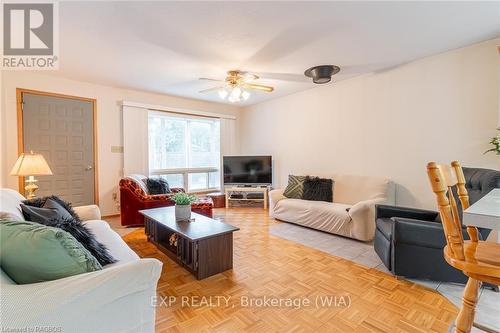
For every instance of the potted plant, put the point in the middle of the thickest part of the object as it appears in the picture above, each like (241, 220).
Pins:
(495, 141)
(183, 203)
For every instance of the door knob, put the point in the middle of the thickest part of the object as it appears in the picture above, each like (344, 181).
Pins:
(88, 168)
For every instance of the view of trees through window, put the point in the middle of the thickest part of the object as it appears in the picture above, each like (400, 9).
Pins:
(185, 150)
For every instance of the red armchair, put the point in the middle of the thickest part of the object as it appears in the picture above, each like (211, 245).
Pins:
(134, 197)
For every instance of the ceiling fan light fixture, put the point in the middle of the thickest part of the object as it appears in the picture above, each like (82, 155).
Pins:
(236, 91)
(322, 80)
(236, 87)
(235, 95)
(223, 93)
(322, 74)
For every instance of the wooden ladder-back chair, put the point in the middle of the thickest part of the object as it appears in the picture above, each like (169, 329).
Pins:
(479, 260)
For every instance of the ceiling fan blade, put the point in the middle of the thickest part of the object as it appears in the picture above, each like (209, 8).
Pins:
(259, 87)
(285, 77)
(367, 68)
(210, 89)
(208, 79)
(355, 69)
(247, 76)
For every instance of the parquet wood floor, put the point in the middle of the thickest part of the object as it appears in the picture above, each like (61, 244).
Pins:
(268, 266)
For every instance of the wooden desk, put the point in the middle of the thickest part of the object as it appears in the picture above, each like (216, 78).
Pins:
(485, 213)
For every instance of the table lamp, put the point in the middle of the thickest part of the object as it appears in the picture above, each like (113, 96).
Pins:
(31, 164)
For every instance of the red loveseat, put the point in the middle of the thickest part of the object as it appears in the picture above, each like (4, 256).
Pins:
(134, 197)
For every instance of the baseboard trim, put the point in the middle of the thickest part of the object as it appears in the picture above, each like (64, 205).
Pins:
(112, 215)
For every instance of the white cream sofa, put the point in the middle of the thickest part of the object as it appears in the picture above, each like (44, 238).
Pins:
(117, 298)
(352, 213)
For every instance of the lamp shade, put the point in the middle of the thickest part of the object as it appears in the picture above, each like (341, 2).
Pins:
(31, 164)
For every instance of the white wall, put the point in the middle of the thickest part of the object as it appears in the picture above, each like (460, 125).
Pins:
(109, 122)
(391, 123)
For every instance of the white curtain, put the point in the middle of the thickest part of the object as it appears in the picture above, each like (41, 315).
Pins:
(135, 141)
(228, 142)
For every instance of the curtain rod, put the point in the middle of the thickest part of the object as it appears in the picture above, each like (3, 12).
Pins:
(177, 110)
(185, 114)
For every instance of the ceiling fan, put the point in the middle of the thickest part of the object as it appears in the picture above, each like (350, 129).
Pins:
(237, 86)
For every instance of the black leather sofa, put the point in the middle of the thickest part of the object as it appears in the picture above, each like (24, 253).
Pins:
(410, 241)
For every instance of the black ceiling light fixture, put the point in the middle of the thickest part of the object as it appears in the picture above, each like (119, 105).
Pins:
(322, 74)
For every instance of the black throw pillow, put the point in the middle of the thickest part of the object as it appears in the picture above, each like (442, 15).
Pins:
(318, 189)
(57, 213)
(50, 210)
(157, 185)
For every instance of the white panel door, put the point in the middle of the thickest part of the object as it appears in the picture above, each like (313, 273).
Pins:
(62, 130)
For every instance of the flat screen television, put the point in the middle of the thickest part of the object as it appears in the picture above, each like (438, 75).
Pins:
(247, 170)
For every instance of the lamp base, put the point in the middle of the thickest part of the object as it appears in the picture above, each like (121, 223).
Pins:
(31, 187)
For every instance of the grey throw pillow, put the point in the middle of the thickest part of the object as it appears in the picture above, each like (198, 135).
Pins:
(295, 187)
(49, 211)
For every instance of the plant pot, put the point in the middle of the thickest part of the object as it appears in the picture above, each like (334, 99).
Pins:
(182, 212)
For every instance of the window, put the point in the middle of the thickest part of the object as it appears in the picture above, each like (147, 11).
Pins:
(185, 150)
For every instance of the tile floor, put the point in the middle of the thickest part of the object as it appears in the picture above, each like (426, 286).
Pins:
(487, 313)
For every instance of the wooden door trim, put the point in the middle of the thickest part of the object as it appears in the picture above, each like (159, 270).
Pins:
(20, 131)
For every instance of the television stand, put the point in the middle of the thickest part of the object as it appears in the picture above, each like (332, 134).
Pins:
(234, 193)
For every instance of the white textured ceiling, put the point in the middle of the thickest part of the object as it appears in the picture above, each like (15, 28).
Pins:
(166, 46)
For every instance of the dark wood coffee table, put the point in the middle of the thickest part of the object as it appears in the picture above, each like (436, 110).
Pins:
(203, 246)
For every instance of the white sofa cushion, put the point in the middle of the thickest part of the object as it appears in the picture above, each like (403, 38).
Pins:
(10, 202)
(117, 299)
(326, 216)
(115, 244)
(87, 213)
